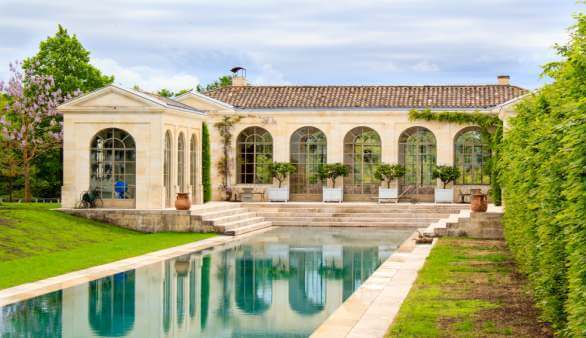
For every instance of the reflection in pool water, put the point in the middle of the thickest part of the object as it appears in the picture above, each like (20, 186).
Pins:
(281, 283)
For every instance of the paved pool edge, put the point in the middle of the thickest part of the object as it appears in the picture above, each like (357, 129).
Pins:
(33, 289)
(372, 308)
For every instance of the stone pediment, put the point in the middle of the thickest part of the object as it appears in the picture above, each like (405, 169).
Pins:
(202, 102)
(113, 98)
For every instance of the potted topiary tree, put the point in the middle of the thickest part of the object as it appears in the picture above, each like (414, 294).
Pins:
(388, 173)
(446, 174)
(280, 171)
(329, 173)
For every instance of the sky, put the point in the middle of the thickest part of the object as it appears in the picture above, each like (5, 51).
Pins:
(177, 44)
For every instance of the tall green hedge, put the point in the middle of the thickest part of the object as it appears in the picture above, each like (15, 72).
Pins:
(206, 164)
(544, 179)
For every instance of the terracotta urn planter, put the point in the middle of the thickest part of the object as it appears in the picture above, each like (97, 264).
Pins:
(182, 202)
(479, 202)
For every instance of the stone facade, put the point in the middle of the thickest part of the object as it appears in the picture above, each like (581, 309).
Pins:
(148, 118)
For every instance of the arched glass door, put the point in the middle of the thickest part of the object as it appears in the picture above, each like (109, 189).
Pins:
(417, 152)
(308, 151)
(113, 167)
(362, 153)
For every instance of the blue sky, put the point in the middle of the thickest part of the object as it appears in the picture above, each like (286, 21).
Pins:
(179, 43)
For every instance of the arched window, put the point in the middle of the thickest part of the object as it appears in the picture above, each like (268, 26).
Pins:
(308, 151)
(113, 164)
(362, 152)
(472, 156)
(181, 162)
(254, 155)
(193, 167)
(167, 168)
(417, 152)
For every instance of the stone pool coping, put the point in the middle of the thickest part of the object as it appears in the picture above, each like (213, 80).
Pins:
(374, 305)
(33, 289)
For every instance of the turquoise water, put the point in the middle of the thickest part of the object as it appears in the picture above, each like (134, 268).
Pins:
(281, 283)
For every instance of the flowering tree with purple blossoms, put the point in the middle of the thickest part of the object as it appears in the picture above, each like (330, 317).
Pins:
(30, 124)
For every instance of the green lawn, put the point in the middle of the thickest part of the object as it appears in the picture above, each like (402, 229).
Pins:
(468, 288)
(37, 243)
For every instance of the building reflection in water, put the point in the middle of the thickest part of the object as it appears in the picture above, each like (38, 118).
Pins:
(272, 286)
(38, 317)
(112, 304)
(307, 287)
(359, 263)
(254, 287)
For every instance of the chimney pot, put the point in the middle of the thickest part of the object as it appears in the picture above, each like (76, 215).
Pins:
(504, 80)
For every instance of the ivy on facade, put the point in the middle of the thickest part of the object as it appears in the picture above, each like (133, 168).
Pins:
(489, 124)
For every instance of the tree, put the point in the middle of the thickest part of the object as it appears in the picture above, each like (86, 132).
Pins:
(280, 171)
(224, 128)
(168, 93)
(221, 82)
(65, 59)
(388, 172)
(446, 174)
(30, 123)
(330, 172)
(165, 93)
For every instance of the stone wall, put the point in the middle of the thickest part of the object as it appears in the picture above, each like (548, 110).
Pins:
(145, 220)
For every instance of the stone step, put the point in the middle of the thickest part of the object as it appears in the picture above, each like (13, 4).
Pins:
(220, 218)
(411, 215)
(214, 206)
(312, 219)
(221, 213)
(248, 228)
(239, 223)
(368, 209)
(410, 225)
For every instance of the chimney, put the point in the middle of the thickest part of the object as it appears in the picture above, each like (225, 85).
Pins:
(239, 77)
(503, 80)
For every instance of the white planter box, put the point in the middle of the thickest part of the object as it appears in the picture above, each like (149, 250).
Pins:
(333, 195)
(444, 195)
(388, 194)
(278, 194)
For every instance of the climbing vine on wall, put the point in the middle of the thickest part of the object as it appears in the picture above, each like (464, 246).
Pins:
(205, 164)
(490, 125)
(224, 128)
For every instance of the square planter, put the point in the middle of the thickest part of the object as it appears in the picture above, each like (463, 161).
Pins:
(333, 195)
(444, 195)
(388, 194)
(278, 194)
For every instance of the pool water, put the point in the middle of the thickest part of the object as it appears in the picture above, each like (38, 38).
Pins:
(281, 283)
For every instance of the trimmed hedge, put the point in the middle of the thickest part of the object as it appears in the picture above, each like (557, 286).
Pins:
(206, 164)
(543, 172)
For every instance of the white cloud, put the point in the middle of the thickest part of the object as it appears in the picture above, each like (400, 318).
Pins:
(146, 78)
(425, 66)
(269, 75)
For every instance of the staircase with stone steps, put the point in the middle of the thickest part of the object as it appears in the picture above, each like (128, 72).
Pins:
(229, 218)
(354, 214)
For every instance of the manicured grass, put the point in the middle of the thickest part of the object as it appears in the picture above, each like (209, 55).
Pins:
(468, 288)
(37, 243)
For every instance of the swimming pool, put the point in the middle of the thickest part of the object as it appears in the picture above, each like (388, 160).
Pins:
(281, 283)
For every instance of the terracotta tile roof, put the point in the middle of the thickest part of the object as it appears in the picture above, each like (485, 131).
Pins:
(451, 96)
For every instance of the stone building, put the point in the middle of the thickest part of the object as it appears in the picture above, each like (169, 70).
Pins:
(140, 149)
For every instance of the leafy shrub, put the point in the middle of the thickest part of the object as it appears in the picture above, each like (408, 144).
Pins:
(205, 164)
(543, 172)
(446, 174)
(388, 172)
(280, 171)
(330, 172)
